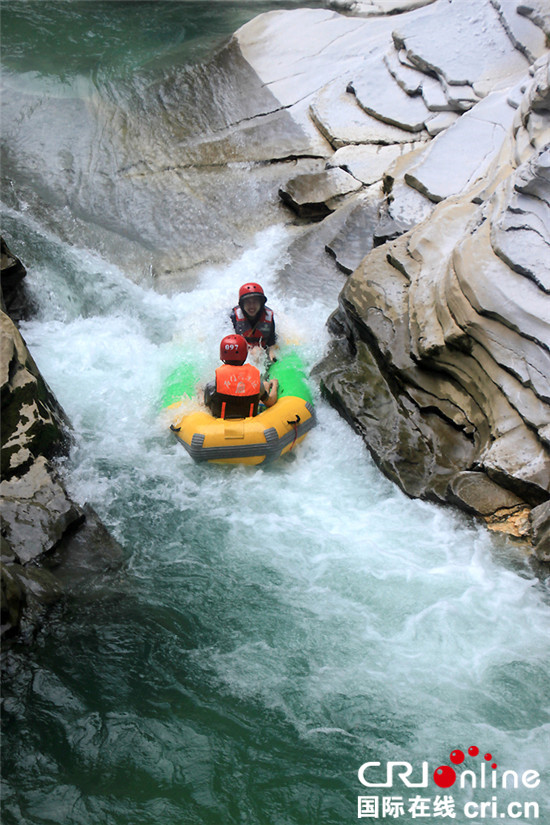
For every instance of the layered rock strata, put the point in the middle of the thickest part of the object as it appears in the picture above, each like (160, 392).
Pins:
(441, 340)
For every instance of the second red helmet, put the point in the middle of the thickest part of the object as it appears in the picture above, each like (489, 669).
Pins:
(233, 349)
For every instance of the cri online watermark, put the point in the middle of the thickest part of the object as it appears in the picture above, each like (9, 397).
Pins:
(445, 777)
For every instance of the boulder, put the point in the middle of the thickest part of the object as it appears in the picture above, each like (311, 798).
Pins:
(405, 206)
(521, 235)
(387, 101)
(462, 154)
(355, 237)
(369, 163)
(310, 266)
(337, 115)
(36, 511)
(33, 423)
(476, 493)
(41, 527)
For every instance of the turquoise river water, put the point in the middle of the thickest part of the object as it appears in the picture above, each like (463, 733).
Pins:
(272, 629)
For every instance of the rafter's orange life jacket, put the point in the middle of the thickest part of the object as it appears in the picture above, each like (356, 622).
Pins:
(239, 390)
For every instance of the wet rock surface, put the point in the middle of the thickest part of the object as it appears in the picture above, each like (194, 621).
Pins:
(38, 519)
(180, 179)
(15, 299)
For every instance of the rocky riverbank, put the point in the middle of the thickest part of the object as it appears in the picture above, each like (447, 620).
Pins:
(49, 544)
(437, 200)
(441, 354)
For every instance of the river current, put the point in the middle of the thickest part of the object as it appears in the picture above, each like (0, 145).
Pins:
(271, 629)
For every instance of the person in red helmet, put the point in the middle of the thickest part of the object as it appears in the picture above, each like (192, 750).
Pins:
(238, 387)
(254, 320)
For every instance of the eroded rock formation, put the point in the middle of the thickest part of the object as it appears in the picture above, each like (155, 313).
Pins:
(450, 323)
(441, 353)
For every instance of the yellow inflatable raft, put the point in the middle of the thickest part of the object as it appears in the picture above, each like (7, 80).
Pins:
(272, 433)
(265, 437)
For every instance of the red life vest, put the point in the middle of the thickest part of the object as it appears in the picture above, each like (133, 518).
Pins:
(239, 390)
(262, 334)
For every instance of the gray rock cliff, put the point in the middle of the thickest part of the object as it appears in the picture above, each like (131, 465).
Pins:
(42, 530)
(441, 351)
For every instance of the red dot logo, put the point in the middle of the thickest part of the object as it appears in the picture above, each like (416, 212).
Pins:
(444, 776)
(457, 757)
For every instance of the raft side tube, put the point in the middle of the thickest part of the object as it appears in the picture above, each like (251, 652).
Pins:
(180, 383)
(290, 372)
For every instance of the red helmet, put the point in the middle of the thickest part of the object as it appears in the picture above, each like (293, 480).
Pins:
(251, 289)
(233, 349)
